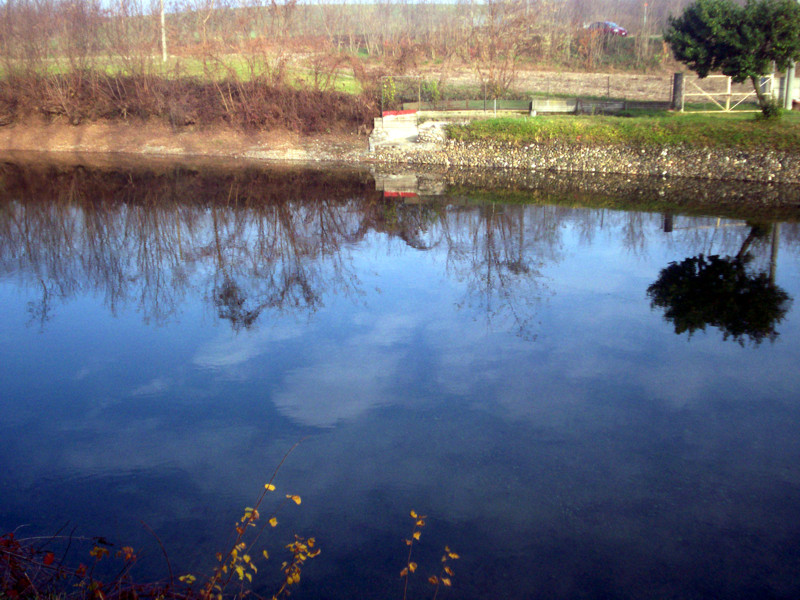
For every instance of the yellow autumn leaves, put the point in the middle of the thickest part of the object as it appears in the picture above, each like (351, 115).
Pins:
(444, 577)
(239, 563)
(434, 580)
(98, 552)
(446, 569)
(302, 549)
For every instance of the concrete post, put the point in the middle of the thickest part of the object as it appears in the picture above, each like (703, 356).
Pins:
(788, 87)
(677, 91)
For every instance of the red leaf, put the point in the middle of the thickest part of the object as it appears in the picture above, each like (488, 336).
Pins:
(49, 558)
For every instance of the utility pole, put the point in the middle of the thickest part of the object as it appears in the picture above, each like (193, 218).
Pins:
(643, 46)
(163, 33)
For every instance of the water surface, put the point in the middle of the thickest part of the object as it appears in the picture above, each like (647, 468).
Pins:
(168, 334)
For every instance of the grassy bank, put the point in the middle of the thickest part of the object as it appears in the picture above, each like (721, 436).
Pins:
(733, 130)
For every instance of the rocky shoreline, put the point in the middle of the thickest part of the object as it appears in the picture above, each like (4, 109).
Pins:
(706, 163)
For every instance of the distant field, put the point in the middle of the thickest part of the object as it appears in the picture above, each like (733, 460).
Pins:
(228, 66)
(458, 81)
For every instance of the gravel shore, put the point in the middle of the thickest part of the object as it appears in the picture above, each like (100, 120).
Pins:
(706, 163)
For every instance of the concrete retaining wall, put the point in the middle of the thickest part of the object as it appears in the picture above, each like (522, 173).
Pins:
(473, 108)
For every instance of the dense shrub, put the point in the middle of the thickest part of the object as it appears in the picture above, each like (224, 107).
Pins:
(256, 104)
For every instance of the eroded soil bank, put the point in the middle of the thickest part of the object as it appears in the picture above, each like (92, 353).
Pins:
(157, 139)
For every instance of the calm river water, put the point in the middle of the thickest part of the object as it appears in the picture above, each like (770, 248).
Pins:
(582, 401)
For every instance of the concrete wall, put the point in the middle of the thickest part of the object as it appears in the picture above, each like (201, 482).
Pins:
(535, 106)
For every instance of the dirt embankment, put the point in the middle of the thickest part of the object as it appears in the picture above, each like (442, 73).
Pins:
(158, 139)
(214, 135)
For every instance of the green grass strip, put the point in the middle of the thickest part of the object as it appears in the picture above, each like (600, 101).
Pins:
(746, 131)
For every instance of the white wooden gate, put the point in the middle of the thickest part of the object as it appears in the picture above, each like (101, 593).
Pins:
(719, 91)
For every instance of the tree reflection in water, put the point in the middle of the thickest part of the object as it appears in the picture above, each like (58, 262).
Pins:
(253, 242)
(499, 252)
(723, 292)
(257, 241)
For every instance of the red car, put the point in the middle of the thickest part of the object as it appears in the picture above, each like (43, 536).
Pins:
(609, 28)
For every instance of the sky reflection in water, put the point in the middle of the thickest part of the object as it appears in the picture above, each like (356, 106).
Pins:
(497, 367)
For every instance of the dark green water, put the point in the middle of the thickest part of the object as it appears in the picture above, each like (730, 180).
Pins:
(166, 335)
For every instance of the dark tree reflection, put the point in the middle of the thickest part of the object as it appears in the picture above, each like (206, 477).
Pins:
(255, 242)
(722, 292)
(247, 241)
(41, 312)
(499, 252)
(230, 305)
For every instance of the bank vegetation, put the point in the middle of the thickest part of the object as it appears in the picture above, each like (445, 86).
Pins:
(310, 67)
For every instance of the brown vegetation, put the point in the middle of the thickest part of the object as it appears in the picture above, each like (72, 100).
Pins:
(261, 65)
(252, 105)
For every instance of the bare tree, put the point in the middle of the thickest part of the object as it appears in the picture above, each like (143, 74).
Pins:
(498, 31)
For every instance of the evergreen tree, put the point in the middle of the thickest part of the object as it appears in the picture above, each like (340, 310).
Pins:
(742, 42)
